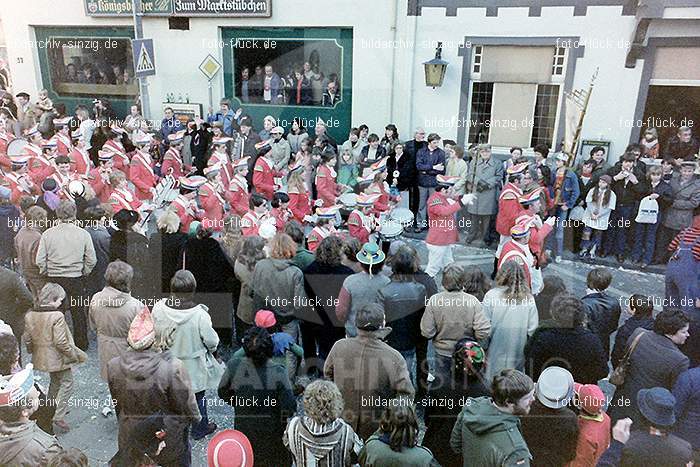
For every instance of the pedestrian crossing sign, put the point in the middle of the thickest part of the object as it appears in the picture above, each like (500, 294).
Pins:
(142, 52)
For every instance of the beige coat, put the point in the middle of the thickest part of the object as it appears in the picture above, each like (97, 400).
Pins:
(50, 341)
(245, 310)
(450, 316)
(111, 313)
(365, 369)
(26, 246)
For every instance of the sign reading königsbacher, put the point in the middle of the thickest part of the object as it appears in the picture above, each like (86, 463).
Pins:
(234, 8)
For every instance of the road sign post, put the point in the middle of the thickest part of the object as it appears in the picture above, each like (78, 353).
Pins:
(143, 58)
(210, 67)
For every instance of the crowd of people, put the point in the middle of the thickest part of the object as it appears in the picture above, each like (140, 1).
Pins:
(272, 272)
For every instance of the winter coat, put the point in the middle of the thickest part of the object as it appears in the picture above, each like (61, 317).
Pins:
(206, 260)
(132, 247)
(623, 334)
(15, 300)
(366, 368)
(404, 304)
(281, 152)
(487, 437)
(603, 312)
(101, 239)
(295, 141)
(150, 383)
(377, 452)
(245, 387)
(364, 157)
(593, 439)
(576, 349)
(166, 258)
(322, 284)
(9, 223)
(450, 316)
(406, 165)
(425, 161)
(194, 341)
(358, 290)
(50, 341)
(643, 449)
(111, 313)
(26, 445)
(550, 434)
(278, 286)
(680, 150)
(245, 311)
(487, 181)
(655, 362)
(686, 197)
(26, 245)
(331, 444)
(687, 394)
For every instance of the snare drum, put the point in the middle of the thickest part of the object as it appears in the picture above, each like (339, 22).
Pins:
(403, 216)
(349, 200)
(390, 230)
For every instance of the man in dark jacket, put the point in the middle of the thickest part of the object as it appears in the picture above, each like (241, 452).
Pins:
(371, 153)
(603, 311)
(683, 146)
(626, 186)
(641, 308)
(15, 300)
(430, 162)
(411, 149)
(551, 428)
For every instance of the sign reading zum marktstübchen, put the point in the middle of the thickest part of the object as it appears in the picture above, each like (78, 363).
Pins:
(233, 8)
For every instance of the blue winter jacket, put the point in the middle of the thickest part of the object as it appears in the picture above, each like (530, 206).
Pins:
(687, 394)
(425, 160)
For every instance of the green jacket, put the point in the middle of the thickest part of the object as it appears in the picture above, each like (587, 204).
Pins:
(377, 453)
(488, 437)
(303, 258)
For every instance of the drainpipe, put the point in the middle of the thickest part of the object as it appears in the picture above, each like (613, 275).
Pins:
(411, 70)
(393, 58)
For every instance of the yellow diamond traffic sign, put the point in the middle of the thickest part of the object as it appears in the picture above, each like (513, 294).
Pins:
(210, 67)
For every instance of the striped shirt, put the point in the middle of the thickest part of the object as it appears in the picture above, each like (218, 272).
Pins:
(689, 236)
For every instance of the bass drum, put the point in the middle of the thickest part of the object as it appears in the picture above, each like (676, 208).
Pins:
(390, 230)
(16, 147)
(403, 216)
(347, 201)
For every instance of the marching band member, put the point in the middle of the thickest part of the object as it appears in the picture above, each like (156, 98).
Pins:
(298, 192)
(531, 205)
(63, 176)
(211, 200)
(442, 228)
(517, 249)
(99, 177)
(172, 160)
(80, 158)
(19, 180)
(62, 136)
(251, 220)
(114, 144)
(380, 187)
(280, 210)
(121, 196)
(185, 205)
(141, 169)
(508, 207)
(5, 161)
(324, 226)
(360, 221)
(264, 172)
(237, 194)
(326, 188)
(42, 166)
(33, 136)
(219, 157)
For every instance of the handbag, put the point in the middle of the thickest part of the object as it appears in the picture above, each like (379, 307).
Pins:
(617, 377)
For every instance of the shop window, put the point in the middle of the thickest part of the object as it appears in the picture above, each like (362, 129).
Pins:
(89, 66)
(482, 98)
(288, 72)
(545, 116)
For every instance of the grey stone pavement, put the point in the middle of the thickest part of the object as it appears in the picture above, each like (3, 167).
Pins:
(96, 434)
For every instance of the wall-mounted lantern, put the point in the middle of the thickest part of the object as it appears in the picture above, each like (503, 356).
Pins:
(435, 69)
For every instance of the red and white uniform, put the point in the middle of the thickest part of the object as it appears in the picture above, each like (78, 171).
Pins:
(316, 235)
(538, 235)
(18, 189)
(213, 204)
(172, 160)
(250, 223)
(121, 160)
(187, 211)
(281, 217)
(5, 161)
(32, 150)
(521, 254)
(264, 174)
(360, 226)
(221, 159)
(508, 208)
(238, 196)
(64, 145)
(326, 188)
(442, 231)
(299, 204)
(382, 203)
(141, 175)
(123, 198)
(101, 187)
(40, 168)
(80, 161)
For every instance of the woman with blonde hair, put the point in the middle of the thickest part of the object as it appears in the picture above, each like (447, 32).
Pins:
(513, 314)
(320, 436)
(299, 194)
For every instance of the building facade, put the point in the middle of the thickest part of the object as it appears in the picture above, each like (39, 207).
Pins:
(510, 62)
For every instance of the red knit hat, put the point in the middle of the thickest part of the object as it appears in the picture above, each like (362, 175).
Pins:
(590, 398)
(229, 448)
(265, 319)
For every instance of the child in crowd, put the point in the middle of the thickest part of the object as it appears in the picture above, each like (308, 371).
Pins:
(44, 104)
(593, 425)
(280, 210)
(600, 201)
(650, 144)
(348, 170)
(657, 197)
(50, 342)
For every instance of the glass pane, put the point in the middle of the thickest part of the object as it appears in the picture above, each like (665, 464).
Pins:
(545, 114)
(482, 98)
(92, 66)
(293, 72)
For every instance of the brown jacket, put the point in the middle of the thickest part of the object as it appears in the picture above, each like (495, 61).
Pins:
(50, 341)
(111, 313)
(26, 445)
(368, 373)
(450, 316)
(26, 246)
